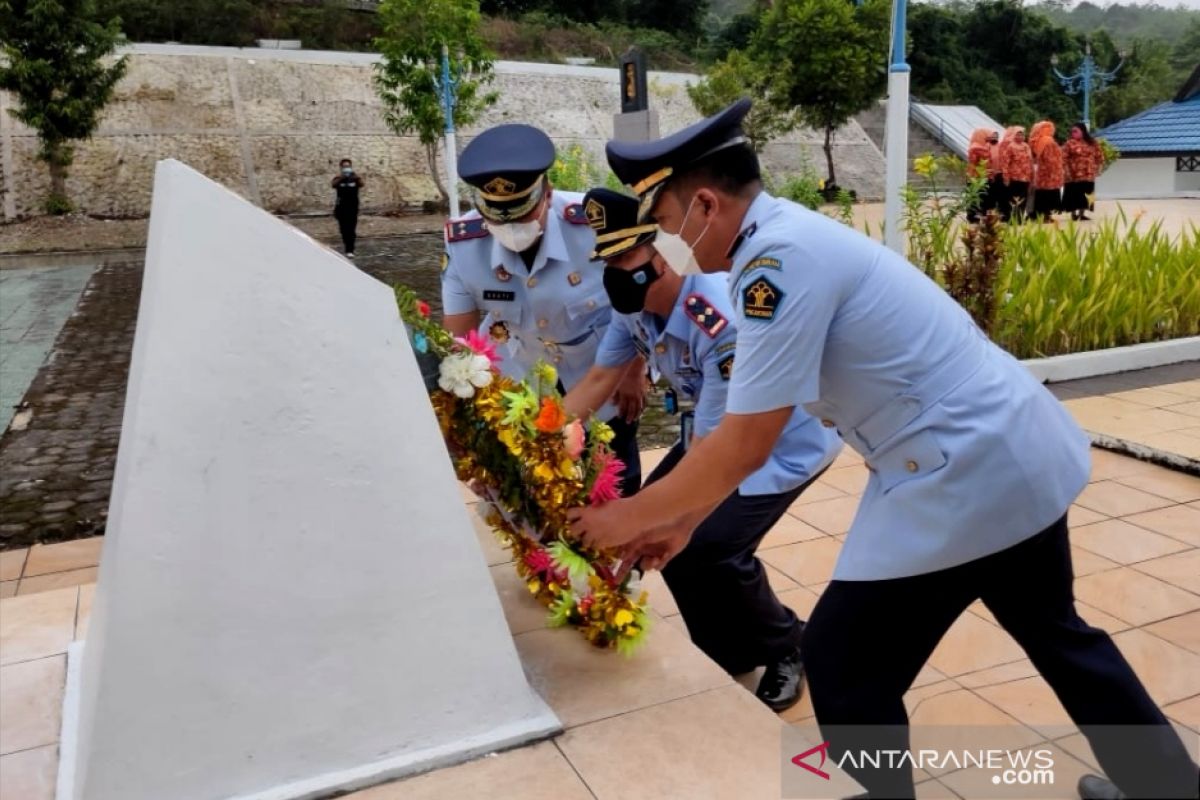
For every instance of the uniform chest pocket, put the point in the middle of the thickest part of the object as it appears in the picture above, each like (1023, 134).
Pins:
(588, 305)
(502, 304)
(916, 457)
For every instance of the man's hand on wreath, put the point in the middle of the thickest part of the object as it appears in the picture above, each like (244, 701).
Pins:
(607, 526)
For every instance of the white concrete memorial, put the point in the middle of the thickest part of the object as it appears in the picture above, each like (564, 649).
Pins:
(291, 598)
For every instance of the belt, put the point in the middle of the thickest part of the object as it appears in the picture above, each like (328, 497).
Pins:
(888, 420)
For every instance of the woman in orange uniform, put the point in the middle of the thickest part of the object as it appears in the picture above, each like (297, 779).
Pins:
(981, 164)
(1047, 170)
(1082, 160)
(1016, 170)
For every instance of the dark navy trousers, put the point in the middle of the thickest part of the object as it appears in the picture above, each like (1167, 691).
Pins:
(721, 587)
(867, 640)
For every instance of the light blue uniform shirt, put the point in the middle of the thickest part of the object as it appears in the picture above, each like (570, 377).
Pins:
(557, 311)
(697, 357)
(968, 454)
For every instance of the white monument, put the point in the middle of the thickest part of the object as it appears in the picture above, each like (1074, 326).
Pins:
(291, 599)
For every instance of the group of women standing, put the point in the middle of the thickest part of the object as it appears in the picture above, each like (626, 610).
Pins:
(1063, 178)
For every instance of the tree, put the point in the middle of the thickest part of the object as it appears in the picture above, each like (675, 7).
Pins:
(54, 54)
(737, 77)
(826, 58)
(414, 32)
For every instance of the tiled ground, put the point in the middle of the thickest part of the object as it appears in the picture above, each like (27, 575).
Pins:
(1158, 408)
(668, 724)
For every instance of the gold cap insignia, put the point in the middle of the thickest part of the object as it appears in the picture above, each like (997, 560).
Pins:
(594, 211)
(500, 187)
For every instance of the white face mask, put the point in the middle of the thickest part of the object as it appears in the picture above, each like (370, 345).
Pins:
(678, 254)
(517, 236)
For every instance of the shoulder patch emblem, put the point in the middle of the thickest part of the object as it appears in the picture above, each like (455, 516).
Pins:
(722, 349)
(725, 367)
(445, 260)
(575, 214)
(764, 263)
(460, 230)
(761, 299)
(701, 312)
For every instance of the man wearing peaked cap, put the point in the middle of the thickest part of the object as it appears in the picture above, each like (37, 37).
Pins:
(972, 463)
(683, 327)
(518, 268)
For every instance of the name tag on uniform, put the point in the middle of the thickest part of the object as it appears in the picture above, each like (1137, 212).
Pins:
(496, 294)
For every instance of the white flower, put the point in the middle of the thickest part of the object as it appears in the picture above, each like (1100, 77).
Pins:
(463, 373)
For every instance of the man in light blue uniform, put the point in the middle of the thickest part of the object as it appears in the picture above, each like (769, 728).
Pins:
(519, 269)
(682, 327)
(973, 464)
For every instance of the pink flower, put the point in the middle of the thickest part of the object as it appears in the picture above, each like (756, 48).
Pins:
(573, 439)
(607, 485)
(480, 345)
(538, 561)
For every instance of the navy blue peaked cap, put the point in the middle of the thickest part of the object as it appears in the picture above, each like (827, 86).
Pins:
(646, 166)
(505, 165)
(613, 216)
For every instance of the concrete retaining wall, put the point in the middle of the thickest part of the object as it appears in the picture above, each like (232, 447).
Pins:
(272, 125)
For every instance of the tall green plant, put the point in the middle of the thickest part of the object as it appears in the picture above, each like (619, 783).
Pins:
(54, 58)
(414, 32)
(1066, 289)
(931, 218)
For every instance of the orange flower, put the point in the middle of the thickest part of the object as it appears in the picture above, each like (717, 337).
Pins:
(551, 418)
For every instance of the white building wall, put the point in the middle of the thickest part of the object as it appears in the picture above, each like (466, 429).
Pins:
(1137, 177)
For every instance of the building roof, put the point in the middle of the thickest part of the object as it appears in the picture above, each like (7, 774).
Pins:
(1168, 128)
(952, 125)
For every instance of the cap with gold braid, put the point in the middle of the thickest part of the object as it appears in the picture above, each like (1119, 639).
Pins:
(505, 165)
(647, 166)
(613, 216)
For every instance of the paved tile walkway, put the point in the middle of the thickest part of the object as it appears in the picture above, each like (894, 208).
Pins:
(34, 304)
(1155, 408)
(1136, 545)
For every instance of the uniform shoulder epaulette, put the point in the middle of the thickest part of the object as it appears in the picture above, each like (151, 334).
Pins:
(704, 314)
(458, 230)
(573, 213)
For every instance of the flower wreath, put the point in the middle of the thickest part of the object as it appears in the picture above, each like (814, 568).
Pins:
(516, 446)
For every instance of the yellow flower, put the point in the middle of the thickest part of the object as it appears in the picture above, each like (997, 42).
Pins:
(622, 618)
(544, 472)
(925, 165)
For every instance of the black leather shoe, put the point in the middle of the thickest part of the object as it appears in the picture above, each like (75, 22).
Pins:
(1093, 787)
(782, 683)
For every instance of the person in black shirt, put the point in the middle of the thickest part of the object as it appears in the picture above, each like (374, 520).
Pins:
(345, 211)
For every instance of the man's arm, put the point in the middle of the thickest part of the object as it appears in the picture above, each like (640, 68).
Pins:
(361, 182)
(461, 324)
(594, 389)
(630, 390)
(712, 469)
(336, 180)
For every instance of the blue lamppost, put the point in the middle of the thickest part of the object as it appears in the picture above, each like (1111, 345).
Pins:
(1089, 78)
(447, 86)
